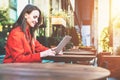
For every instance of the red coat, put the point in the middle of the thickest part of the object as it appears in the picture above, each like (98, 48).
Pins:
(18, 48)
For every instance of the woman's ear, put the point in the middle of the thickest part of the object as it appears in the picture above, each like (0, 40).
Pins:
(26, 15)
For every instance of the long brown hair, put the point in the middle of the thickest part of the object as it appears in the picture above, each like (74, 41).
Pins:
(22, 21)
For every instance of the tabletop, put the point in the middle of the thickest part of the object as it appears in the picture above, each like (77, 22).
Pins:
(79, 52)
(51, 71)
(70, 58)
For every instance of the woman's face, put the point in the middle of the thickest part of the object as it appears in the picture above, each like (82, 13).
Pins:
(32, 18)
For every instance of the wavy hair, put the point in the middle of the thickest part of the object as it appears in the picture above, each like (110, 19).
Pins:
(22, 21)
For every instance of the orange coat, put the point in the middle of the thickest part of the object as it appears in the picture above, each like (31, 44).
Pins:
(18, 48)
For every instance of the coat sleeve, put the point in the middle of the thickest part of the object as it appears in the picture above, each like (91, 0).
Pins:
(16, 49)
(39, 47)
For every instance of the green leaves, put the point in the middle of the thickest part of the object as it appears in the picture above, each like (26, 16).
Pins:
(4, 17)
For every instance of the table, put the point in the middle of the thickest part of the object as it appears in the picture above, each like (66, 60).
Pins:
(85, 54)
(70, 58)
(78, 52)
(51, 71)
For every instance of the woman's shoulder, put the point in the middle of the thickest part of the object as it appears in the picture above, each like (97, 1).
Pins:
(16, 31)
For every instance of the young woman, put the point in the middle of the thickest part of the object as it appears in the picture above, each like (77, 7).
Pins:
(21, 45)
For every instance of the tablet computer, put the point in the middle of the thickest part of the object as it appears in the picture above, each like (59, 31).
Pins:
(62, 43)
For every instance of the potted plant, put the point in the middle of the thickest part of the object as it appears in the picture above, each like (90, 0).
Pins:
(105, 40)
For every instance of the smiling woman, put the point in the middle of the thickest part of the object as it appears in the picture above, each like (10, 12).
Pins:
(21, 45)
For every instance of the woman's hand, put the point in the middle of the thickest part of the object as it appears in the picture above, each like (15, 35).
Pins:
(60, 53)
(48, 52)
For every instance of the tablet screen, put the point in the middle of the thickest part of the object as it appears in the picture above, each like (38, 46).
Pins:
(62, 43)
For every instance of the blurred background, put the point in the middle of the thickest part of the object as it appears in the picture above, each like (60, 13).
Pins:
(91, 23)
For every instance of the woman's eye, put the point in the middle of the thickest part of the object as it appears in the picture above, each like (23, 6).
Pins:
(35, 17)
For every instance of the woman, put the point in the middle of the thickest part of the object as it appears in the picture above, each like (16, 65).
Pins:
(21, 45)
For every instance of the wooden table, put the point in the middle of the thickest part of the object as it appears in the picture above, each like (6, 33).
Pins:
(85, 55)
(78, 52)
(70, 58)
(51, 71)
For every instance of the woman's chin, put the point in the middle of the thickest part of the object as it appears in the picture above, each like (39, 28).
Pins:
(32, 25)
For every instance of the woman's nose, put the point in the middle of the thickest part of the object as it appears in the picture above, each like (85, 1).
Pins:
(36, 20)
